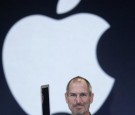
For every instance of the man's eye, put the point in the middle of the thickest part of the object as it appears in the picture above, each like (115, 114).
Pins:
(73, 95)
(83, 94)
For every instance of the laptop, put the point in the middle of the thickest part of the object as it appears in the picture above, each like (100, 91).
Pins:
(45, 99)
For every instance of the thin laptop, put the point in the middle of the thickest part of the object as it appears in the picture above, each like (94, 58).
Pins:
(45, 99)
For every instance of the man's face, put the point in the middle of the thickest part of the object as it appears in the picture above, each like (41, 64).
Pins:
(78, 98)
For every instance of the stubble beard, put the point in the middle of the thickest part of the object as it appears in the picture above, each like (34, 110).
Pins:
(78, 112)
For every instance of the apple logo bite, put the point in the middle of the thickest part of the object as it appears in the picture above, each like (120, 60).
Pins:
(41, 50)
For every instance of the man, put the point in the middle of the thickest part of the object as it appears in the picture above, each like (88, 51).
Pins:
(79, 96)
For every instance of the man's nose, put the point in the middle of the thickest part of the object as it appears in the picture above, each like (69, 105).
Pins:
(78, 99)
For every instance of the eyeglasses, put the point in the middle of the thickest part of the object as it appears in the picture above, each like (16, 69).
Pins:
(81, 95)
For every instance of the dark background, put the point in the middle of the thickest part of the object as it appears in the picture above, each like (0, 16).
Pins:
(45, 104)
(115, 50)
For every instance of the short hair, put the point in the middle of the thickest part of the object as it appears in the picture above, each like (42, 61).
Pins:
(80, 78)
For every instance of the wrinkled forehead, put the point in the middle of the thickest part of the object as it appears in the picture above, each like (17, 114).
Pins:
(78, 85)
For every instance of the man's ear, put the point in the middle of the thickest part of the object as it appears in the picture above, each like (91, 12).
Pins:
(66, 97)
(91, 97)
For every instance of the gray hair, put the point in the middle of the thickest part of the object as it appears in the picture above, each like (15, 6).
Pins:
(77, 78)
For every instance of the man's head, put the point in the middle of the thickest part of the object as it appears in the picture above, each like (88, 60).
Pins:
(79, 96)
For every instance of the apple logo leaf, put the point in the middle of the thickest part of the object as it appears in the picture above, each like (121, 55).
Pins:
(64, 6)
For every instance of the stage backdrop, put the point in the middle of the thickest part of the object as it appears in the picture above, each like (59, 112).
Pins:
(51, 41)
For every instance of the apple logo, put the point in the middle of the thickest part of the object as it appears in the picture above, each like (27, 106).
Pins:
(40, 50)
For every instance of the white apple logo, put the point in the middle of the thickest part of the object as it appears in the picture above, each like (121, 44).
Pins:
(40, 50)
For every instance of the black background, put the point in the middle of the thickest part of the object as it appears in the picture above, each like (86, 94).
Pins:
(115, 50)
(45, 104)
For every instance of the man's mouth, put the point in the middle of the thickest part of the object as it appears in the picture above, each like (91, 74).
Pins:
(78, 106)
